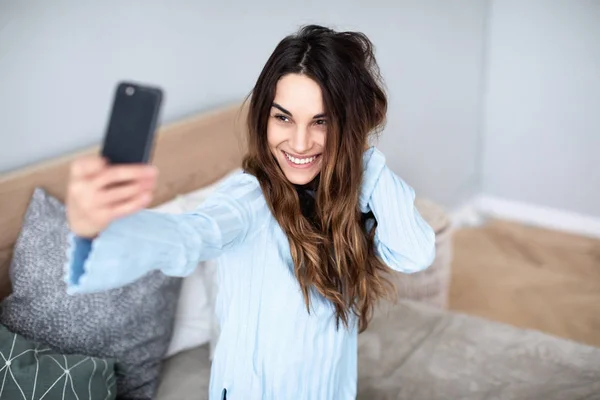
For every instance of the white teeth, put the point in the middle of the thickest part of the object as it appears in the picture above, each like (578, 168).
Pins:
(300, 161)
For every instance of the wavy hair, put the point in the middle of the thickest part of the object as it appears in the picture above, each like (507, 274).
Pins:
(333, 253)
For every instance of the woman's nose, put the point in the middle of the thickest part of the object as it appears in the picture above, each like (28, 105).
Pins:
(300, 140)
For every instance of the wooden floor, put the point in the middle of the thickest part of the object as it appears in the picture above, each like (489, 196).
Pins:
(529, 277)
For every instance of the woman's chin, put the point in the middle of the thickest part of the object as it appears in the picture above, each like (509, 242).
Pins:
(300, 177)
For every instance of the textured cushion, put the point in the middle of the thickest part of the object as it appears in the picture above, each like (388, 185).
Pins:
(34, 371)
(132, 324)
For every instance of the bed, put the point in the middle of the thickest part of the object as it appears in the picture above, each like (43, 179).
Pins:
(412, 350)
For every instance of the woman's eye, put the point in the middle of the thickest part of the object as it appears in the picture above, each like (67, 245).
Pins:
(282, 118)
(321, 122)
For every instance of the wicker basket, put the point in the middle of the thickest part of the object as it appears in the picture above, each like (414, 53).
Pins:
(432, 285)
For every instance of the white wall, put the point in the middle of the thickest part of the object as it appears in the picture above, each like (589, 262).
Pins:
(59, 61)
(542, 104)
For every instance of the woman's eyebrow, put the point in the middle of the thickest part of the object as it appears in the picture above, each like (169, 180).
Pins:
(283, 110)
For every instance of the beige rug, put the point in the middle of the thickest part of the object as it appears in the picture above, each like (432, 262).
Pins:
(529, 277)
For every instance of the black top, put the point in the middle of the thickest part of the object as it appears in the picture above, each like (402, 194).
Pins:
(307, 195)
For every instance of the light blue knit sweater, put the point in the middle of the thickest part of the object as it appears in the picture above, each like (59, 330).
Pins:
(270, 346)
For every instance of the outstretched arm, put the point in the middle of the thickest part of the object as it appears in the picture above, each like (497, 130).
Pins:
(148, 240)
(403, 240)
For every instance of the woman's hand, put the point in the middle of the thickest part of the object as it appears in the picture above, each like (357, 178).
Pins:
(99, 193)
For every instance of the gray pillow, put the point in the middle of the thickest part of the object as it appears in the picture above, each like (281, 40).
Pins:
(132, 324)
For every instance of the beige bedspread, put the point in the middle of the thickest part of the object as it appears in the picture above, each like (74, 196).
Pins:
(415, 352)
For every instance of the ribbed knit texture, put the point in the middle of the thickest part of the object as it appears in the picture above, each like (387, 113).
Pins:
(270, 347)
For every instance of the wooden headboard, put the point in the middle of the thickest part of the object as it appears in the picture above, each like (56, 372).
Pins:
(190, 154)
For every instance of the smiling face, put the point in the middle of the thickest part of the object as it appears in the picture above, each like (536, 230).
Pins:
(297, 128)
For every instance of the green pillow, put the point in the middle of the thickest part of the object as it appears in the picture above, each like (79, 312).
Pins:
(30, 370)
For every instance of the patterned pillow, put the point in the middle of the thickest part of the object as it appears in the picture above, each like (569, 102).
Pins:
(30, 370)
(132, 324)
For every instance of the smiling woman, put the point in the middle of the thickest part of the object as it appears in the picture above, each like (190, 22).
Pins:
(297, 133)
(305, 236)
(312, 110)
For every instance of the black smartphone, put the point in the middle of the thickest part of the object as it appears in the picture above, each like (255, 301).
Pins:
(129, 136)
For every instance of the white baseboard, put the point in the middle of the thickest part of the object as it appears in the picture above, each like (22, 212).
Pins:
(481, 207)
(466, 215)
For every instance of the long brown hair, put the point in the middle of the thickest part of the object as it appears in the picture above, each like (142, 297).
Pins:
(333, 254)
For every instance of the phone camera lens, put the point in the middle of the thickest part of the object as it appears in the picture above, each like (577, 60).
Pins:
(129, 91)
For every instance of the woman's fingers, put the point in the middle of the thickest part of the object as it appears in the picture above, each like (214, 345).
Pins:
(130, 206)
(87, 167)
(121, 193)
(119, 174)
(98, 193)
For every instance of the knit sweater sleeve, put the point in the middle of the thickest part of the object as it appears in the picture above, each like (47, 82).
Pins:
(403, 239)
(172, 243)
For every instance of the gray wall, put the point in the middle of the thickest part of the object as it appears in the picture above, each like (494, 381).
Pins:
(542, 104)
(59, 62)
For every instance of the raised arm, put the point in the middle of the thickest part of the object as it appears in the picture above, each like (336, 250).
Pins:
(147, 240)
(403, 240)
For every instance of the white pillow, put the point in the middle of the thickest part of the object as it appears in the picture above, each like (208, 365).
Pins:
(210, 280)
(190, 202)
(193, 318)
(195, 321)
(174, 206)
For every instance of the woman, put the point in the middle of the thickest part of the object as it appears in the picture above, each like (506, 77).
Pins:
(304, 235)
